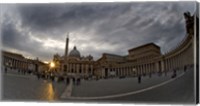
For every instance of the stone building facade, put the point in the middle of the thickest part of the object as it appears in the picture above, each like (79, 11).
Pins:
(135, 63)
(18, 63)
(14, 61)
(73, 64)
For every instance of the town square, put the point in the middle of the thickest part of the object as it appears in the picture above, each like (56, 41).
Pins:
(99, 52)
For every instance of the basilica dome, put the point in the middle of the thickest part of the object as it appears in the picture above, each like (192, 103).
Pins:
(75, 53)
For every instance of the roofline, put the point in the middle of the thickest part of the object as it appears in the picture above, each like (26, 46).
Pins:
(112, 54)
(3, 51)
(144, 46)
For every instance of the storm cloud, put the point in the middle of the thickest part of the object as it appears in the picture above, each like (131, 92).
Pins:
(39, 30)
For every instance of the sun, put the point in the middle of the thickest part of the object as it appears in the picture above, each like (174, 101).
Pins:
(52, 64)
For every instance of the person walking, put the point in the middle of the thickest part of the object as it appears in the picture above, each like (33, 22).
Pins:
(185, 68)
(139, 79)
(5, 70)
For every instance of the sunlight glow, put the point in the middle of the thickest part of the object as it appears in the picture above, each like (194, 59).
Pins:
(50, 92)
(52, 64)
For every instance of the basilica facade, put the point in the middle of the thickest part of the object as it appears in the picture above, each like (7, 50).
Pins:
(72, 64)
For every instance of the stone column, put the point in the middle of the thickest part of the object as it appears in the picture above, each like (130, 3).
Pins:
(119, 74)
(168, 64)
(181, 60)
(139, 69)
(19, 64)
(157, 66)
(103, 73)
(70, 68)
(83, 68)
(14, 63)
(162, 66)
(70, 71)
(172, 63)
(91, 67)
(151, 67)
(176, 61)
(87, 70)
(22, 65)
(77, 68)
(121, 71)
(125, 71)
(116, 71)
(143, 68)
(74, 67)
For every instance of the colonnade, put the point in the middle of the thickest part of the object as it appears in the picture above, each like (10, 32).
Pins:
(177, 59)
(10, 62)
(181, 59)
(130, 70)
(80, 68)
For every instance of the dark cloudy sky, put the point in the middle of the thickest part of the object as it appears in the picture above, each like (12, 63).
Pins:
(39, 30)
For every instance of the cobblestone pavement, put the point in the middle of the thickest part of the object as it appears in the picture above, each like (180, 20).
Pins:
(105, 87)
(179, 90)
(16, 87)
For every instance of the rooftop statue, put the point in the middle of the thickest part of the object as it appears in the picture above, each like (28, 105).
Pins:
(189, 20)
